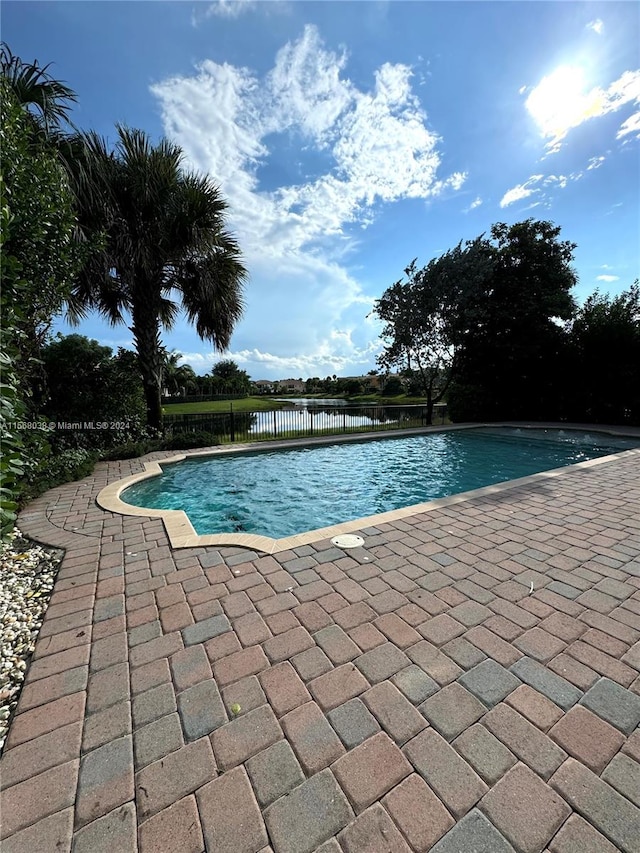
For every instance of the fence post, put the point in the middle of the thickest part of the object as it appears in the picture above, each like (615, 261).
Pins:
(232, 425)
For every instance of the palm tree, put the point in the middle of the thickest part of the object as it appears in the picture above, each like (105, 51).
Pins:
(177, 378)
(47, 101)
(164, 243)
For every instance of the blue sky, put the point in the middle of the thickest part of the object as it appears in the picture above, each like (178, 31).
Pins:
(351, 137)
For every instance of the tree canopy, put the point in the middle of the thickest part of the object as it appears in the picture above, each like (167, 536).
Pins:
(483, 322)
(87, 383)
(229, 378)
(39, 260)
(427, 316)
(605, 358)
(513, 334)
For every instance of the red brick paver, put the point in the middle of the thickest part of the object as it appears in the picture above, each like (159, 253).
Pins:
(217, 700)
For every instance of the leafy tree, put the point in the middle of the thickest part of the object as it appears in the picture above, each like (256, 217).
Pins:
(353, 387)
(426, 318)
(328, 385)
(483, 323)
(230, 379)
(393, 387)
(39, 259)
(509, 328)
(165, 238)
(40, 237)
(605, 346)
(87, 383)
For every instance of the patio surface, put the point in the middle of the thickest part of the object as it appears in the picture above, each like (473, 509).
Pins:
(410, 695)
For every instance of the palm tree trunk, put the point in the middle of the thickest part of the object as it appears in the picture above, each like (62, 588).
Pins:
(146, 334)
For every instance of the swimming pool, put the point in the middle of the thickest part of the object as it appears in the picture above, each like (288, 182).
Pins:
(278, 493)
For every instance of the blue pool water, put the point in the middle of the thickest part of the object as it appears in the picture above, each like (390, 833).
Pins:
(282, 492)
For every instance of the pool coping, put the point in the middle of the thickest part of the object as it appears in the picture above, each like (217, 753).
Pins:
(182, 534)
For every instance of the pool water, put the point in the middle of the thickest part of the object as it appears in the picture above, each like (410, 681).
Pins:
(279, 493)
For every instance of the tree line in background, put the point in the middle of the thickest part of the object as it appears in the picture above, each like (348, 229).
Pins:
(124, 230)
(491, 327)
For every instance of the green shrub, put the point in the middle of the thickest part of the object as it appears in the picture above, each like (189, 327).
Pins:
(132, 449)
(56, 469)
(190, 440)
(181, 441)
(393, 387)
(87, 383)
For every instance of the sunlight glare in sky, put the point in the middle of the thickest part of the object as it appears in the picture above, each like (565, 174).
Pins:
(559, 102)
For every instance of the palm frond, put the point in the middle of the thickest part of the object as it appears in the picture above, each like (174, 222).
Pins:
(212, 295)
(48, 100)
(168, 312)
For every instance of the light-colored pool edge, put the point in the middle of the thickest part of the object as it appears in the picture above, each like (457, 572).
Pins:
(182, 534)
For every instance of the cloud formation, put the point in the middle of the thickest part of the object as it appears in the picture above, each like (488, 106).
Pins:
(597, 26)
(540, 185)
(474, 204)
(325, 361)
(361, 149)
(631, 125)
(230, 8)
(521, 191)
(608, 278)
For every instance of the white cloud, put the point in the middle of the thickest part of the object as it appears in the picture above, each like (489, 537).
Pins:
(558, 180)
(561, 102)
(537, 184)
(475, 203)
(230, 8)
(372, 147)
(595, 163)
(597, 26)
(631, 125)
(608, 278)
(304, 90)
(521, 191)
(613, 208)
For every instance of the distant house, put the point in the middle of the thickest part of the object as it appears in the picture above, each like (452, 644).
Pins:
(292, 386)
(263, 386)
(375, 382)
(370, 383)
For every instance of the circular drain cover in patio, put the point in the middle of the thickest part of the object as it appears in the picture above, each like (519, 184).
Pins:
(348, 540)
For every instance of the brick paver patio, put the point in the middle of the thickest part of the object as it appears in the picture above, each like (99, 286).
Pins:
(411, 695)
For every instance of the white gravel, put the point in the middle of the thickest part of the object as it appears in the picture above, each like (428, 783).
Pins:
(27, 573)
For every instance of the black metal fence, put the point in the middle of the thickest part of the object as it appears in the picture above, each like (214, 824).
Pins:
(301, 421)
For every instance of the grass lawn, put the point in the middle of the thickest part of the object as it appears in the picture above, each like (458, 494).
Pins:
(248, 404)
